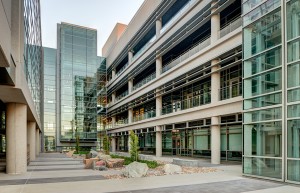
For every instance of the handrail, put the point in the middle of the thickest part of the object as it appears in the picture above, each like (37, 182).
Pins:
(196, 101)
(144, 81)
(230, 27)
(190, 52)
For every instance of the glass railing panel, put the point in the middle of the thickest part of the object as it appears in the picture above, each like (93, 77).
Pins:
(119, 97)
(144, 81)
(146, 115)
(144, 48)
(235, 24)
(196, 101)
(201, 45)
(122, 69)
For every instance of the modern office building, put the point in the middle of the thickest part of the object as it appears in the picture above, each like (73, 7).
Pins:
(271, 89)
(70, 87)
(175, 79)
(20, 83)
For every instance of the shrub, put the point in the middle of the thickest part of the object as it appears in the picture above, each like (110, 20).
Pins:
(128, 160)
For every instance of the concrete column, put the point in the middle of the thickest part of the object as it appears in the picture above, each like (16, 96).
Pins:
(158, 27)
(158, 101)
(113, 121)
(37, 135)
(158, 63)
(31, 139)
(215, 141)
(215, 25)
(113, 73)
(130, 57)
(130, 115)
(113, 97)
(215, 82)
(113, 144)
(158, 141)
(130, 86)
(16, 138)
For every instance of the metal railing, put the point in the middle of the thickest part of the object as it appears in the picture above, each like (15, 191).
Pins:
(146, 115)
(122, 122)
(82, 135)
(144, 47)
(196, 101)
(144, 81)
(176, 16)
(231, 91)
(195, 49)
(119, 97)
(121, 70)
(233, 25)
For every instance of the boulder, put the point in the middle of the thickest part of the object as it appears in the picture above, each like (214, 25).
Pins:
(89, 163)
(171, 169)
(135, 170)
(114, 163)
(93, 153)
(100, 163)
(104, 157)
(102, 168)
(70, 153)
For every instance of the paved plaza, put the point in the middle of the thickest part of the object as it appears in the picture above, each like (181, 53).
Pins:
(54, 172)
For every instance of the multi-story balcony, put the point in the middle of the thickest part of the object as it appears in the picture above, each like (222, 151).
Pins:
(231, 26)
(144, 81)
(146, 115)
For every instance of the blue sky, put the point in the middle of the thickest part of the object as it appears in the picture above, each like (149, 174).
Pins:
(99, 14)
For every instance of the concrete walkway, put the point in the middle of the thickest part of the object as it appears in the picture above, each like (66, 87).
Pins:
(67, 175)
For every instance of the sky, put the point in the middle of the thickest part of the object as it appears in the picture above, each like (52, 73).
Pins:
(98, 14)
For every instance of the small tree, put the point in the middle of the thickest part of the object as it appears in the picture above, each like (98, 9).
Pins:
(134, 146)
(77, 144)
(106, 144)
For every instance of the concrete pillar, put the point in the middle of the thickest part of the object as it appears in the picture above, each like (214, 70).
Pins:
(158, 63)
(215, 25)
(37, 135)
(113, 97)
(130, 57)
(215, 141)
(113, 144)
(113, 74)
(130, 86)
(158, 27)
(130, 115)
(215, 82)
(16, 138)
(158, 102)
(31, 139)
(158, 141)
(113, 121)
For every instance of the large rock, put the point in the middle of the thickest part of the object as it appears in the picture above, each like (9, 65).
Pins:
(135, 170)
(172, 169)
(70, 153)
(100, 163)
(104, 157)
(89, 163)
(93, 153)
(114, 163)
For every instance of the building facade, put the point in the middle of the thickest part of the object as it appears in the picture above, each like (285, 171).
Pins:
(21, 59)
(76, 86)
(175, 79)
(271, 89)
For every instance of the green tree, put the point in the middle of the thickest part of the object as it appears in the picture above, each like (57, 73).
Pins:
(106, 144)
(134, 146)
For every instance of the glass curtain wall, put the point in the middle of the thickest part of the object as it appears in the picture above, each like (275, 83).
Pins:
(49, 99)
(78, 63)
(263, 90)
(293, 90)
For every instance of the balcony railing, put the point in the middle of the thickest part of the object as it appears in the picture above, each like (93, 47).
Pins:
(236, 23)
(146, 115)
(121, 70)
(119, 97)
(144, 81)
(144, 47)
(231, 91)
(195, 49)
(176, 16)
(82, 135)
(187, 104)
(121, 122)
